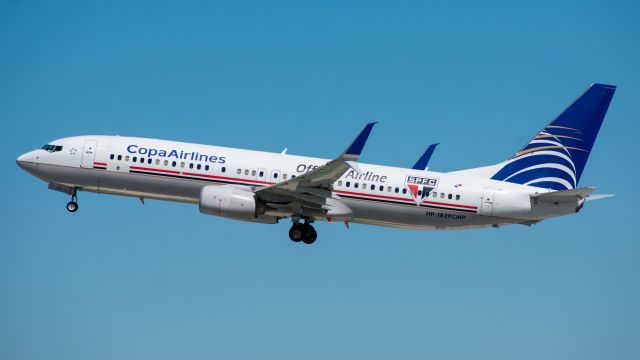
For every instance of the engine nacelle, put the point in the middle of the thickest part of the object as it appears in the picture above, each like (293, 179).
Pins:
(234, 202)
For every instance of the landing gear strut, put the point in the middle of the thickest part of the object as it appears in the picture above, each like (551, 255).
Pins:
(303, 232)
(72, 206)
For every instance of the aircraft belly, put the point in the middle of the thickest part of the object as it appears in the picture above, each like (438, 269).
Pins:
(155, 186)
(409, 216)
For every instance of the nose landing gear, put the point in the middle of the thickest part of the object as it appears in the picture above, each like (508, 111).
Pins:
(303, 232)
(72, 206)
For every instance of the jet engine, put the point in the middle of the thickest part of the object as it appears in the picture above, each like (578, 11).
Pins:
(235, 202)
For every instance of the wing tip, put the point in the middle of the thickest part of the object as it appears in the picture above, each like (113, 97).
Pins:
(355, 149)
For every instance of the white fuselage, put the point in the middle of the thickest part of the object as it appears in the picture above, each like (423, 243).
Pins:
(378, 195)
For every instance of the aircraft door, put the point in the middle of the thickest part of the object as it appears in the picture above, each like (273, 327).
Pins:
(486, 207)
(89, 153)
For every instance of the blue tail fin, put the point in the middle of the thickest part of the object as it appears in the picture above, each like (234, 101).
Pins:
(556, 156)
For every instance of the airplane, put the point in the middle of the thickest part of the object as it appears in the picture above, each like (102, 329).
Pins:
(539, 181)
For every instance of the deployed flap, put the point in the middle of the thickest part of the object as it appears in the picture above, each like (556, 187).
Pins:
(317, 183)
(564, 195)
(422, 163)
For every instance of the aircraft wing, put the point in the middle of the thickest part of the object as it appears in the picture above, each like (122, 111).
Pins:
(313, 188)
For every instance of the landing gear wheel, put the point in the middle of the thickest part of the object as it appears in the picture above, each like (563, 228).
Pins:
(310, 234)
(296, 233)
(72, 206)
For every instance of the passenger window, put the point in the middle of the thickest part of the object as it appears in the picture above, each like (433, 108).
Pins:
(275, 175)
(119, 157)
(253, 173)
(404, 191)
(135, 159)
(111, 157)
(126, 158)
(182, 164)
(292, 176)
(348, 184)
(450, 197)
(142, 160)
(157, 161)
(261, 173)
(389, 188)
(419, 192)
(224, 169)
(173, 164)
(198, 166)
(206, 168)
(373, 187)
(397, 190)
(457, 197)
(239, 172)
(441, 195)
(339, 182)
(381, 188)
(166, 162)
(191, 166)
(284, 176)
(246, 172)
(355, 185)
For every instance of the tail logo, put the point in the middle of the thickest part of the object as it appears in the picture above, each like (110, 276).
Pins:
(547, 159)
(555, 158)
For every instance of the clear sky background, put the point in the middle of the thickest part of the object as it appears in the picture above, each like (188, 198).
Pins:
(118, 280)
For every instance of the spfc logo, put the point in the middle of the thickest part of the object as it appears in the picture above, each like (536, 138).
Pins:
(420, 187)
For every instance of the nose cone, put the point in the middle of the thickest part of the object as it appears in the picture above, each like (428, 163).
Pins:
(26, 161)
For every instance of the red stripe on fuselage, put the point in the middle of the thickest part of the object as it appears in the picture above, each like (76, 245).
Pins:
(446, 204)
(99, 163)
(404, 199)
(151, 169)
(372, 195)
(229, 178)
(201, 175)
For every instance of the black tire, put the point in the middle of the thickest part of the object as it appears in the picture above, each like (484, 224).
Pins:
(296, 233)
(310, 234)
(72, 206)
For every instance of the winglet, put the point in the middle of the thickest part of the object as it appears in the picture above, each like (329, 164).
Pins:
(354, 150)
(421, 164)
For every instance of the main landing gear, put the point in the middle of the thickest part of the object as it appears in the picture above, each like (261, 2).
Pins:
(303, 232)
(72, 206)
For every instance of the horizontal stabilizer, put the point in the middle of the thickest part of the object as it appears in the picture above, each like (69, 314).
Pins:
(564, 195)
(599, 196)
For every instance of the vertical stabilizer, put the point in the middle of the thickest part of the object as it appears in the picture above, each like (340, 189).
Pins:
(555, 158)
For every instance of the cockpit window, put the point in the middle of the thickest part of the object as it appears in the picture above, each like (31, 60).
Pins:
(52, 148)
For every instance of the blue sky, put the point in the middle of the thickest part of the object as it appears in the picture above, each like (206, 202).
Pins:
(122, 280)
